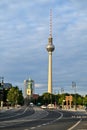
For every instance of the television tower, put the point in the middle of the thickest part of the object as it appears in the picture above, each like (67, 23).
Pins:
(50, 48)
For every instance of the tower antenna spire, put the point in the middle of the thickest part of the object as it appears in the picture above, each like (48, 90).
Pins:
(50, 22)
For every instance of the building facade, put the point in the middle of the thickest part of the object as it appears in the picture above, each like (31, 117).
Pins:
(28, 88)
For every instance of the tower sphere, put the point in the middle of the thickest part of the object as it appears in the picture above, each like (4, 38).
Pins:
(50, 47)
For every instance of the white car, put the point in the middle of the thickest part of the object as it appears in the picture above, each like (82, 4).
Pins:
(43, 106)
(50, 106)
(31, 104)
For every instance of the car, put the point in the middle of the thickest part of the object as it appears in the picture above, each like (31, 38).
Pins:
(17, 106)
(43, 106)
(31, 104)
(51, 106)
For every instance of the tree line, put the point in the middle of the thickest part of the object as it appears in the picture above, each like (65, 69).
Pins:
(14, 96)
(59, 99)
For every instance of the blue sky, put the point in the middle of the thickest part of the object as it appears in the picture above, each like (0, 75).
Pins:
(24, 32)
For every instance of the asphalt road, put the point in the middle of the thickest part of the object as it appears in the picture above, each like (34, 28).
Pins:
(35, 118)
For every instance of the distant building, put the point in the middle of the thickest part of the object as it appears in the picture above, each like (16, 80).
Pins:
(35, 96)
(28, 88)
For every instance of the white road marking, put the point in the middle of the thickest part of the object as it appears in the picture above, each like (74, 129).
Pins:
(43, 124)
(75, 125)
(51, 121)
(39, 125)
(32, 128)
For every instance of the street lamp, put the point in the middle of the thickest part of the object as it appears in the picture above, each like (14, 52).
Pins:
(1, 91)
(62, 92)
(74, 87)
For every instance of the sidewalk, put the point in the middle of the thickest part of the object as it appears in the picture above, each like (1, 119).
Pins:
(5, 109)
(72, 109)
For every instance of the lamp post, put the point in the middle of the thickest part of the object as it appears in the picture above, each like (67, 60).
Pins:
(1, 91)
(62, 92)
(55, 99)
(74, 87)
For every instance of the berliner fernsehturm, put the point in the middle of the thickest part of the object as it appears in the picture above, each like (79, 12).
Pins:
(50, 48)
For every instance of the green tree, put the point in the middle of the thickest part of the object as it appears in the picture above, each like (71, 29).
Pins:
(79, 100)
(20, 98)
(46, 98)
(14, 96)
(85, 100)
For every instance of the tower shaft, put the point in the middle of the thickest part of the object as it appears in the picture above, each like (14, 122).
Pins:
(50, 72)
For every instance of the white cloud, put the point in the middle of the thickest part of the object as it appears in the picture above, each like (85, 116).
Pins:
(39, 85)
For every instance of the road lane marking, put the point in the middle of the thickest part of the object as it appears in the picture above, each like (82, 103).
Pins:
(32, 128)
(71, 128)
(51, 121)
(39, 125)
(44, 124)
